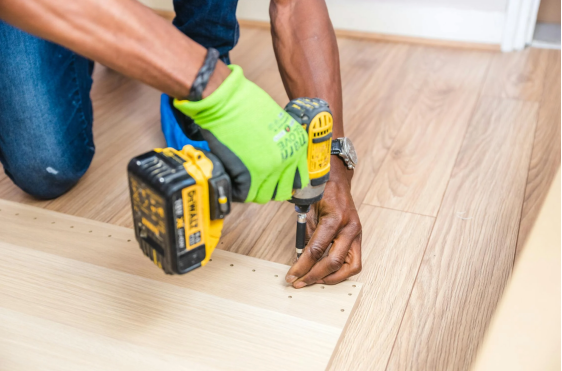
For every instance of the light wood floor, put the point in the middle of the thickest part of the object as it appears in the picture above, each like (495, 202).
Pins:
(457, 150)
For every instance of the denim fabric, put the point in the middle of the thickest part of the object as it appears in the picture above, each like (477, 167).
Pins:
(46, 142)
(211, 23)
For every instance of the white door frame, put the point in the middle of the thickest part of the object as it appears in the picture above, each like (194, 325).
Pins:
(519, 24)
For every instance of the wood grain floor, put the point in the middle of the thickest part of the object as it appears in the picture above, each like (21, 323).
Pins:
(457, 150)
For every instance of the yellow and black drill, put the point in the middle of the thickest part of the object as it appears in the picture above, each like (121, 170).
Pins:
(180, 198)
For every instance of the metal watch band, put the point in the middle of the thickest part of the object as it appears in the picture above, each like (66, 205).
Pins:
(203, 76)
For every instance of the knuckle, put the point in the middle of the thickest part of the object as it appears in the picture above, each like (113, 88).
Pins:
(336, 262)
(316, 252)
(355, 225)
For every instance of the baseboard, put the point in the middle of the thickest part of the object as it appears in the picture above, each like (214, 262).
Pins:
(169, 15)
(389, 38)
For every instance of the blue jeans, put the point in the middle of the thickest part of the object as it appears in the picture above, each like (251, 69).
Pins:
(46, 116)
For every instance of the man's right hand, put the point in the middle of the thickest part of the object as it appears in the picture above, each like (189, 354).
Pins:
(259, 144)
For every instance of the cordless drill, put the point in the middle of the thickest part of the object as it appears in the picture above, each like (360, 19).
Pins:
(316, 118)
(179, 199)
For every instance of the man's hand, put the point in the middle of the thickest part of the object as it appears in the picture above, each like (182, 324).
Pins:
(260, 145)
(333, 220)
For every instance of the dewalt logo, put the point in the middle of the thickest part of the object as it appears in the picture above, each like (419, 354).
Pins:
(192, 209)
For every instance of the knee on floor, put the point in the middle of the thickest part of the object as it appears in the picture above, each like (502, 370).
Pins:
(49, 177)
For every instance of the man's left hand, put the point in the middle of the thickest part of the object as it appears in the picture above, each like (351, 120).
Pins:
(333, 220)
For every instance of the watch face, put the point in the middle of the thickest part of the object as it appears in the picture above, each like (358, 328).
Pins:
(349, 150)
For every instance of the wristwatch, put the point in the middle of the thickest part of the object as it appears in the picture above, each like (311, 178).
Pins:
(344, 148)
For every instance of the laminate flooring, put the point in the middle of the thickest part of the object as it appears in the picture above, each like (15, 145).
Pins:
(457, 149)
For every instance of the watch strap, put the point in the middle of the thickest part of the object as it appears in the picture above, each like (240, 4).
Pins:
(336, 147)
(203, 76)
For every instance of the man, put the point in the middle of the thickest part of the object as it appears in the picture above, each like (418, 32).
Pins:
(46, 142)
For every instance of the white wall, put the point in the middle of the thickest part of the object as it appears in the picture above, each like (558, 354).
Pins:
(477, 21)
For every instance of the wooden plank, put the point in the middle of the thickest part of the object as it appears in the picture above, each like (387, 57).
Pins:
(396, 242)
(517, 75)
(416, 170)
(524, 333)
(546, 148)
(235, 312)
(470, 253)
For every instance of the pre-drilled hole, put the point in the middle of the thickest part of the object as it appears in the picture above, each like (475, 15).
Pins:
(253, 270)
(343, 310)
(353, 286)
(108, 235)
(71, 226)
(34, 218)
(232, 265)
(290, 297)
(210, 260)
(276, 276)
(89, 231)
(349, 294)
(17, 214)
(128, 240)
(52, 222)
(321, 287)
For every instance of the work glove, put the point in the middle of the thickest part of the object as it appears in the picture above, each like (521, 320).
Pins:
(263, 150)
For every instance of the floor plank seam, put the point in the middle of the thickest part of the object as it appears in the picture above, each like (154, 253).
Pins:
(526, 182)
(480, 95)
(402, 211)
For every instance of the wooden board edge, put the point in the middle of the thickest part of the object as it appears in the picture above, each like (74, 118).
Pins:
(344, 329)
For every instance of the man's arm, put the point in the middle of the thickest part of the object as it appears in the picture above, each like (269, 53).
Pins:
(123, 35)
(307, 54)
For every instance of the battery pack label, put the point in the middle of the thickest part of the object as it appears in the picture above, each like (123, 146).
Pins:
(193, 212)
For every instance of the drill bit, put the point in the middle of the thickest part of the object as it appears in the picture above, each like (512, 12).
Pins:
(301, 228)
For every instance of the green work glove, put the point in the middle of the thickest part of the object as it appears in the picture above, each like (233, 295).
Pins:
(261, 147)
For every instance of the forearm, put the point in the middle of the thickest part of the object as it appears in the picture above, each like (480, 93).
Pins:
(122, 34)
(307, 53)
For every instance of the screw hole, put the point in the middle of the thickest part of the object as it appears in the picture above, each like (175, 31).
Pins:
(17, 214)
(232, 265)
(349, 294)
(210, 260)
(34, 218)
(321, 287)
(290, 297)
(71, 226)
(52, 222)
(253, 270)
(128, 240)
(343, 310)
(89, 231)
(353, 286)
(276, 276)
(108, 235)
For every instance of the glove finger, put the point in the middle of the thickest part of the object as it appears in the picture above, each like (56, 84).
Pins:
(238, 172)
(266, 191)
(301, 177)
(285, 184)
(186, 124)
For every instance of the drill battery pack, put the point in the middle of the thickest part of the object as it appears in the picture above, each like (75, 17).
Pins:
(179, 200)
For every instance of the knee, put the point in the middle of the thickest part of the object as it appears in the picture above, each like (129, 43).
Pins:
(48, 177)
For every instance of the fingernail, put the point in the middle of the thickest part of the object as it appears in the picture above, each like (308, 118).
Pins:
(299, 285)
(290, 279)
